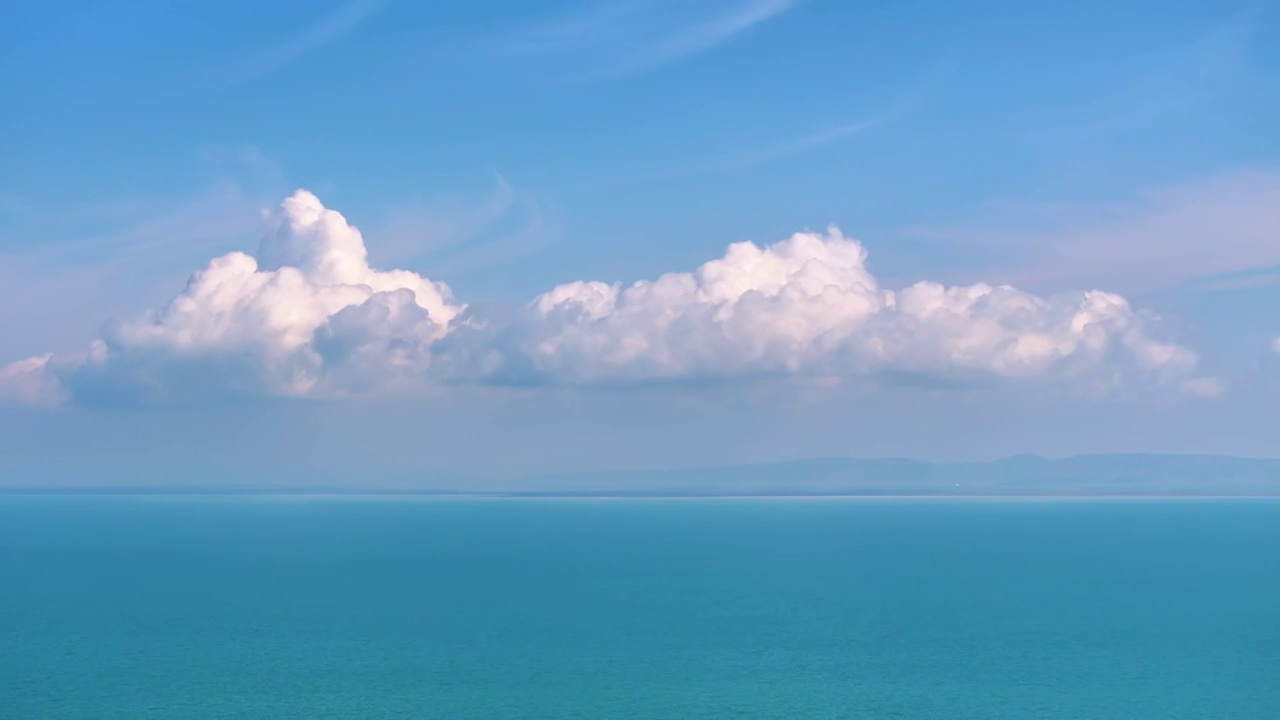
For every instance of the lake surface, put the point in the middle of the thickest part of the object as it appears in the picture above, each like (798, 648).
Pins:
(350, 607)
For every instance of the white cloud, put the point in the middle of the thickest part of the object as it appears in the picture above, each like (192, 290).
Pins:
(308, 316)
(30, 382)
(809, 305)
(1275, 345)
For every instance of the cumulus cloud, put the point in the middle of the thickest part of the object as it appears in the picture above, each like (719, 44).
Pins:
(308, 316)
(30, 382)
(810, 305)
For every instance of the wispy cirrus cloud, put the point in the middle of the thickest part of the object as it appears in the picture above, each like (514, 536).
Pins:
(748, 157)
(622, 39)
(800, 144)
(327, 29)
(61, 256)
(461, 233)
(1216, 228)
(700, 37)
(124, 230)
(745, 157)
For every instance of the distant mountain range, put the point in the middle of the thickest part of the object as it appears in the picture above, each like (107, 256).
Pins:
(1023, 475)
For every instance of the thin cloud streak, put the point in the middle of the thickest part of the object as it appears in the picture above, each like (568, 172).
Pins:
(744, 159)
(507, 224)
(1213, 227)
(806, 143)
(88, 236)
(786, 148)
(335, 26)
(751, 157)
(623, 39)
(701, 37)
(589, 25)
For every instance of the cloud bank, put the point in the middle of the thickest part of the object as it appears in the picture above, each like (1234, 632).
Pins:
(809, 305)
(308, 316)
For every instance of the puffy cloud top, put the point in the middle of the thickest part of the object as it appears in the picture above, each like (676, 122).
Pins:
(808, 304)
(30, 382)
(307, 315)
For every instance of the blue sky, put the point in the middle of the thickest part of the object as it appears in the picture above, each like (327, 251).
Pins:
(507, 149)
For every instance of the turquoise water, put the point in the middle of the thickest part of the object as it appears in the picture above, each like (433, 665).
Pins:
(263, 608)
